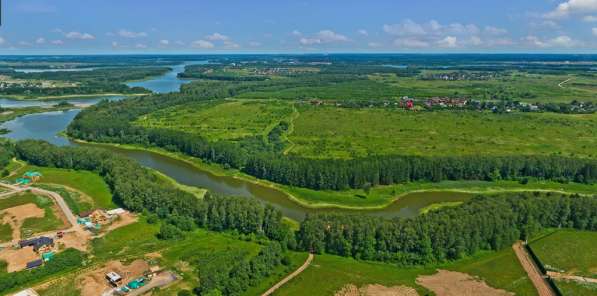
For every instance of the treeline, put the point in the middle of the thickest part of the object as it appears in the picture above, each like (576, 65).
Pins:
(138, 189)
(232, 274)
(483, 223)
(62, 262)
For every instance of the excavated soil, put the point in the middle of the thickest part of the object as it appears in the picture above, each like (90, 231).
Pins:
(16, 215)
(17, 259)
(451, 283)
(376, 290)
(94, 282)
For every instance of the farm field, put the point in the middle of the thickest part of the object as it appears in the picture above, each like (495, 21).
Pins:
(570, 252)
(228, 120)
(328, 132)
(572, 288)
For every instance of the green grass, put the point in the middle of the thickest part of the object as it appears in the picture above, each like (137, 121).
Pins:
(74, 199)
(571, 288)
(229, 120)
(87, 182)
(330, 132)
(5, 232)
(437, 206)
(328, 274)
(498, 269)
(572, 251)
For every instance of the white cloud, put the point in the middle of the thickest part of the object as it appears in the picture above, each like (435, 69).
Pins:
(297, 33)
(561, 41)
(202, 44)
(590, 19)
(324, 36)
(179, 43)
(499, 42)
(24, 43)
(254, 44)
(130, 34)
(495, 30)
(165, 42)
(140, 46)
(2, 40)
(411, 43)
(594, 32)
(448, 42)
(217, 37)
(572, 7)
(374, 44)
(57, 42)
(79, 35)
(406, 28)
(230, 45)
(363, 32)
(115, 44)
(40, 40)
(475, 41)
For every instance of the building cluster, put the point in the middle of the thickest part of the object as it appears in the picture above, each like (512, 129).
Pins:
(460, 75)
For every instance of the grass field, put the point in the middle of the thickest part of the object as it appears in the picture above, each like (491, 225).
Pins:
(571, 288)
(498, 269)
(50, 220)
(5, 232)
(329, 132)
(229, 120)
(89, 183)
(572, 251)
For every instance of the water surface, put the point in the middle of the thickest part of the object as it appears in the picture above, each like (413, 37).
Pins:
(168, 82)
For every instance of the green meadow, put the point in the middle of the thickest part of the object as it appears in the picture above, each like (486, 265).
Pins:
(569, 251)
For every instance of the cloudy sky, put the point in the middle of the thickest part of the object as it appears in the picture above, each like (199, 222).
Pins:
(219, 26)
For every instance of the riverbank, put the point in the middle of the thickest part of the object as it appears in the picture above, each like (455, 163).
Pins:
(8, 114)
(67, 97)
(379, 197)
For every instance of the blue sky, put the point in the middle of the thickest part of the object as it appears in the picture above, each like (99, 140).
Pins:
(197, 26)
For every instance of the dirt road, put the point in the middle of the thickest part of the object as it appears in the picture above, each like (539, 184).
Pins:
(561, 84)
(533, 271)
(290, 276)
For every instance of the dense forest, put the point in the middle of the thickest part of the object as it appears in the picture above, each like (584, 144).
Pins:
(483, 223)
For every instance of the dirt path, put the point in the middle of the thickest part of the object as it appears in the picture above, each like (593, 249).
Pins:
(452, 283)
(532, 270)
(561, 84)
(290, 276)
(15, 217)
(580, 279)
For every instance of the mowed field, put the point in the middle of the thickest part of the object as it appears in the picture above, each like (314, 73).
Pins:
(499, 270)
(329, 132)
(228, 120)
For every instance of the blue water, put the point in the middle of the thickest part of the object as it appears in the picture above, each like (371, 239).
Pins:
(397, 66)
(167, 83)
(41, 126)
(53, 70)
(83, 101)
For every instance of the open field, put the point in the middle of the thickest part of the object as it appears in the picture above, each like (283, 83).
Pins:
(572, 288)
(88, 183)
(328, 132)
(570, 252)
(30, 214)
(221, 121)
(499, 270)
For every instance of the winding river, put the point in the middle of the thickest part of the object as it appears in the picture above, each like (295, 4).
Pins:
(46, 126)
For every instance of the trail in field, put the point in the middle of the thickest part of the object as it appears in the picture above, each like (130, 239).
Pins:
(290, 276)
(580, 279)
(532, 270)
(561, 84)
(295, 115)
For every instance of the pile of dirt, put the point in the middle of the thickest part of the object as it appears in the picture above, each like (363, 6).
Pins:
(16, 215)
(376, 290)
(94, 283)
(451, 283)
(122, 220)
(17, 259)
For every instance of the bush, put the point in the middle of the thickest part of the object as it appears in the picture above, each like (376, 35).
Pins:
(169, 232)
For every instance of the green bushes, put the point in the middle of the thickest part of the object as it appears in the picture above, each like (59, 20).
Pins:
(61, 263)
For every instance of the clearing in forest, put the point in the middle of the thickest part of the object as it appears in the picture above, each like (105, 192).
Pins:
(451, 283)
(229, 120)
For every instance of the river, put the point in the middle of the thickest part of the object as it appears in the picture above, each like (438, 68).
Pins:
(46, 126)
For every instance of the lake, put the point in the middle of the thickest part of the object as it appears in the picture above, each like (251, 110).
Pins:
(168, 82)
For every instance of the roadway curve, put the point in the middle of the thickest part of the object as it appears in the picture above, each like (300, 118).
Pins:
(290, 276)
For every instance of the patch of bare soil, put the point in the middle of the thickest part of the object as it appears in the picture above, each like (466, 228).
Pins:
(122, 220)
(75, 240)
(16, 215)
(376, 290)
(17, 259)
(94, 282)
(451, 283)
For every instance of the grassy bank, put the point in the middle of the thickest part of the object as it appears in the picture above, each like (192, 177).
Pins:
(67, 97)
